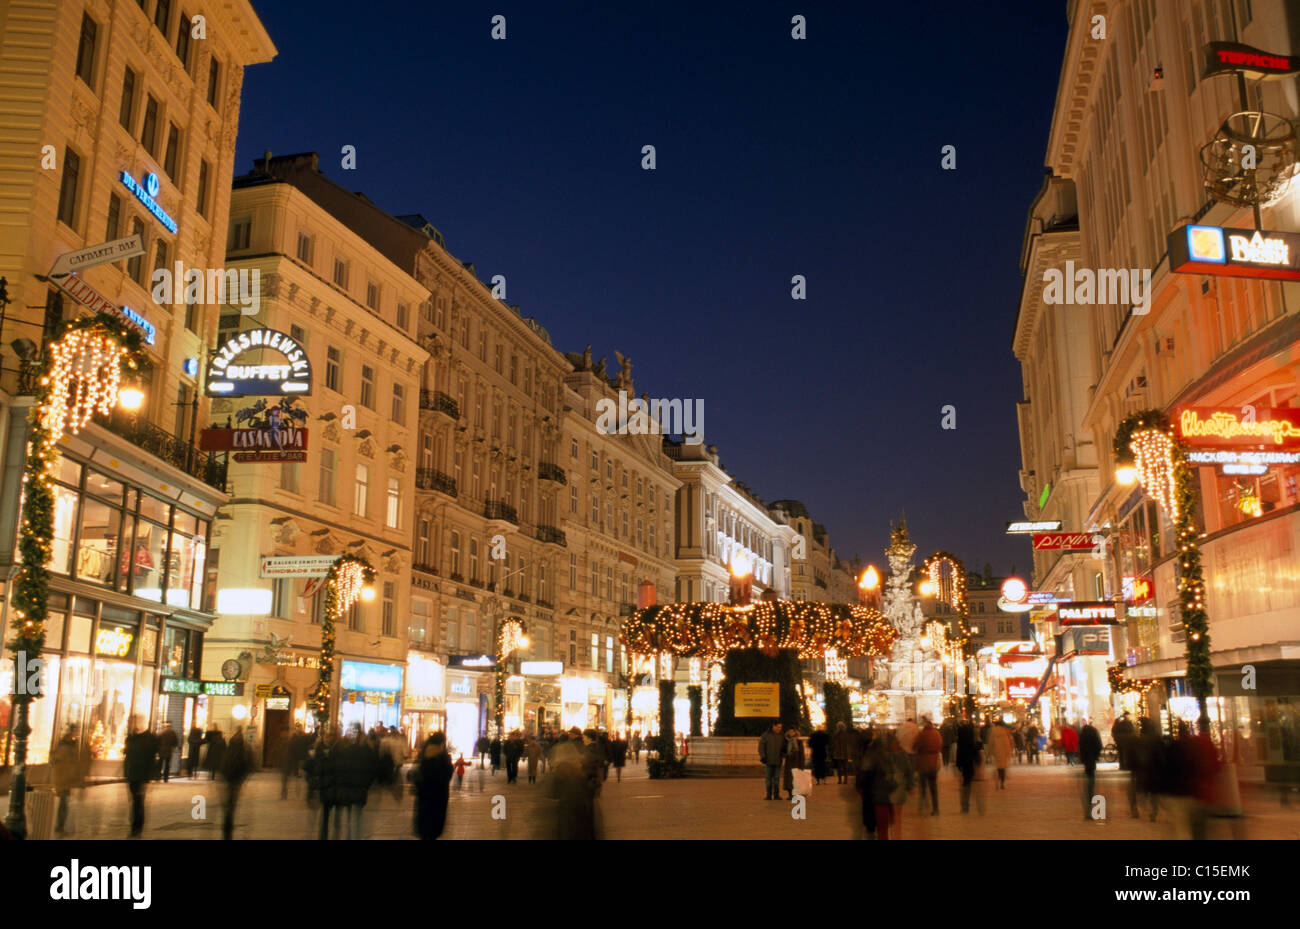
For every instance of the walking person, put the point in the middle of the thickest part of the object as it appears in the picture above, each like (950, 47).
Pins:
(1124, 734)
(195, 743)
(66, 774)
(771, 751)
(494, 751)
(460, 771)
(1152, 755)
(793, 760)
(431, 787)
(236, 765)
(841, 747)
(636, 747)
(928, 746)
(292, 755)
(1089, 749)
(819, 744)
(1070, 743)
(1000, 749)
(513, 751)
(533, 752)
(618, 753)
(216, 743)
(167, 742)
(321, 769)
(140, 766)
(1031, 743)
(965, 761)
(948, 733)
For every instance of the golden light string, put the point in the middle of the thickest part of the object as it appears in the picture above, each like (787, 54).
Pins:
(84, 379)
(1153, 458)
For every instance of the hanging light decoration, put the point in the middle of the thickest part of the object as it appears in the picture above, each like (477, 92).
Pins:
(85, 375)
(1153, 457)
(837, 668)
(696, 669)
(510, 638)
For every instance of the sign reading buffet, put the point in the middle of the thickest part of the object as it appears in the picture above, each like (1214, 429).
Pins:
(228, 377)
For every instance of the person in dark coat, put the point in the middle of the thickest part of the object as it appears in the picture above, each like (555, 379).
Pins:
(794, 758)
(841, 748)
(195, 742)
(574, 791)
(140, 766)
(513, 750)
(322, 770)
(618, 756)
(292, 755)
(431, 788)
(1089, 754)
(820, 745)
(216, 743)
(66, 774)
(167, 742)
(1151, 755)
(236, 765)
(1124, 734)
(494, 752)
(357, 765)
(965, 761)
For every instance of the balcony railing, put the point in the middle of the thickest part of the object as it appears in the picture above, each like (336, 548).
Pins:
(180, 454)
(433, 479)
(551, 534)
(424, 568)
(551, 472)
(439, 402)
(545, 604)
(495, 509)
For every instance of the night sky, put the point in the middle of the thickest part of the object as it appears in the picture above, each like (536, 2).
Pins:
(775, 157)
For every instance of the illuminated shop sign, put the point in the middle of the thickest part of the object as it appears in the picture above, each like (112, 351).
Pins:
(114, 642)
(1218, 250)
(1021, 688)
(93, 300)
(229, 377)
(363, 675)
(1086, 642)
(273, 433)
(145, 193)
(1232, 57)
(1086, 613)
(1029, 526)
(1209, 427)
(180, 685)
(472, 661)
(1243, 462)
(1137, 589)
(1063, 541)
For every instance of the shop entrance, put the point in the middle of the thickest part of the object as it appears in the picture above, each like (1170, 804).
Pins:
(277, 737)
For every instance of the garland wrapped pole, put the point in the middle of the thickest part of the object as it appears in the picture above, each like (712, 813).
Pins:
(349, 580)
(81, 376)
(510, 639)
(1147, 450)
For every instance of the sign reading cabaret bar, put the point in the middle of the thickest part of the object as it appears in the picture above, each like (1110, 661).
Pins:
(272, 434)
(1236, 428)
(1226, 252)
(1229, 57)
(230, 376)
(1086, 613)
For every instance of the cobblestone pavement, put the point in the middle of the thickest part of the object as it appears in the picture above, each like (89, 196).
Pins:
(1038, 803)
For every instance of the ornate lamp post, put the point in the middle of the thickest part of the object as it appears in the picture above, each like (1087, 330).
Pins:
(81, 376)
(349, 580)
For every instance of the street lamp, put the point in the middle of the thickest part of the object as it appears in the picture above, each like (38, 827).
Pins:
(81, 376)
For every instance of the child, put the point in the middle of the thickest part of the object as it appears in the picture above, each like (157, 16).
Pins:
(460, 771)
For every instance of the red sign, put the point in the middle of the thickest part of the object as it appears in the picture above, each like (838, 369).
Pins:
(1021, 688)
(1063, 541)
(1237, 427)
(288, 443)
(1138, 590)
(1223, 57)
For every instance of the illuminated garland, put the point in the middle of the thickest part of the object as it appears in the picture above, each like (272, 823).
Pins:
(1119, 684)
(933, 568)
(1147, 438)
(710, 630)
(510, 636)
(83, 369)
(347, 578)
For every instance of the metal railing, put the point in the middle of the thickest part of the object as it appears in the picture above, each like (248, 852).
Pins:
(551, 534)
(439, 402)
(551, 472)
(433, 479)
(177, 452)
(495, 509)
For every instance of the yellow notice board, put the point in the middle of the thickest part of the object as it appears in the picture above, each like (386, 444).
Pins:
(762, 699)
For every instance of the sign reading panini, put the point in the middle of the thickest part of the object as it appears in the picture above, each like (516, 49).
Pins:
(1218, 250)
(1086, 613)
(226, 378)
(1209, 427)
(1063, 541)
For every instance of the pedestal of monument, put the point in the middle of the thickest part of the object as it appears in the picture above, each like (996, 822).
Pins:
(724, 756)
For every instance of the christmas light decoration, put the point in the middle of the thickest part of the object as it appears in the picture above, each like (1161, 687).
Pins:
(837, 668)
(1153, 457)
(345, 583)
(85, 375)
(1119, 684)
(947, 573)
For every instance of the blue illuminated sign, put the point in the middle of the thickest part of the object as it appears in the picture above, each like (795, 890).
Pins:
(363, 675)
(145, 194)
(191, 367)
(150, 333)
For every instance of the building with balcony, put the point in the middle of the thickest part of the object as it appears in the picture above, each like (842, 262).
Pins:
(118, 122)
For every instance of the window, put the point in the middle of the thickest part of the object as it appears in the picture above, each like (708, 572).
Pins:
(201, 194)
(135, 264)
(573, 499)
(393, 516)
(214, 72)
(573, 655)
(86, 50)
(298, 335)
(162, 15)
(305, 246)
(354, 618)
(361, 498)
(326, 494)
(281, 598)
(372, 295)
(399, 404)
(573, 449)
(573, 571)
(497, 362)
(541, 584)
(333, 359)
(173, 150)
(149, 128)
(388, 627)
(183, 41)
(160, 256)
(595, 510)
(595, 651)
(241, 234)
(482, 343)
(609, 654)
(403, 316)
(473, 561)
(423, 547)
(341, 273)
(289, 477)
(595, 462)
(368, 387)
(114, 218)
(126, 110)
(68, 188)
(455, 554)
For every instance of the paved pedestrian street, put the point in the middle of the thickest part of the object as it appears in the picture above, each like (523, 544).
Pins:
(1040, 802)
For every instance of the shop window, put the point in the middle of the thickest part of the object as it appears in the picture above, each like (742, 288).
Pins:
(98, 542)
(146, 560)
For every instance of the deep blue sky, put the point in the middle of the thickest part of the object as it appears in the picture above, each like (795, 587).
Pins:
(776, 157)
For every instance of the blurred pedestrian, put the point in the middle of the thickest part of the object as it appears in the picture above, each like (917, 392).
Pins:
(66, 775)
(1070, 742)
(819, 745)
(236, 765)
(841, 748)
(1152, 757)
(494, 751)
(322, 771)
(1089, 749)
(216, 747)
(513, 750)
(195, 743)
(1032, 748)
(636, 747)
(292, 754)
(574, 792)
(431, 787)
(793, 760)
(1206, 793)
(358, 768)
(167, 742)
(460, 772)
(618, 756)
(139, 767)
(928, 746)
(771, 751)
(965, 761)
(1000, 749)
(948, 735)
(907, 734)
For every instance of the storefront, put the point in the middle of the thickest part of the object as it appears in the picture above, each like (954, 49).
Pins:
(423, 707)
(465, 706)
(369, 695)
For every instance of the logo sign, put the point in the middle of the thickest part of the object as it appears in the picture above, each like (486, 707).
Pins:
(1137, 589)
(367, 676)
(1086, 613)
(96, 302)
(1086, 641)
(145, 193)
(229, 376)
(1021, 688)
(1040, 597)
(1030, 526)
(114, 642)
(1226, 252)
(1233, 57)
(1242, 462)
(760, 699)
(472, 661)
(1063, 541)
(542, 668)
(297, 565)
(274, 433)
(180, 685)
(116, 250)
(1209, 427)
(461, 685)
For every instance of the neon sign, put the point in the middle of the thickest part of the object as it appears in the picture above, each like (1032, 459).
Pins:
(145, 193)
(1086, 613)
(113, 642)
(1042, 525)
(1221, 57)
(1219, 250)
(1207, 426)
(228, 379)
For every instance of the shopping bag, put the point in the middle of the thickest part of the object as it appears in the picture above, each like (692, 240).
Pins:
(802, 779)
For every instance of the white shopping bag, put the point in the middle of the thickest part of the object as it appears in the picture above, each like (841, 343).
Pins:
(802, 779)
